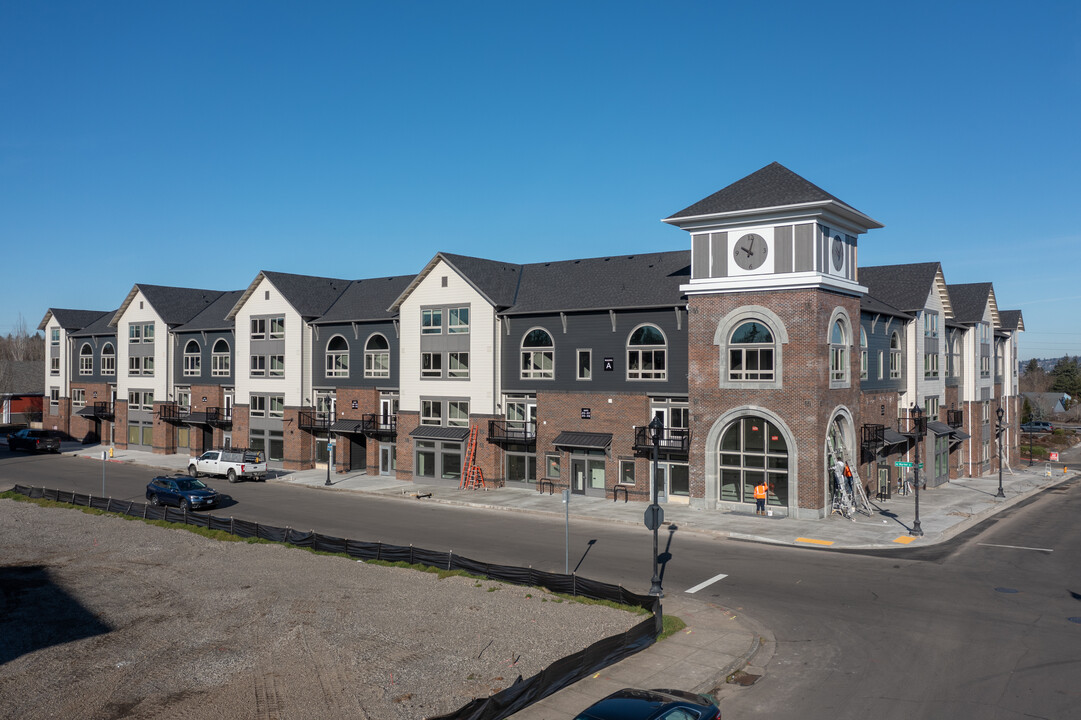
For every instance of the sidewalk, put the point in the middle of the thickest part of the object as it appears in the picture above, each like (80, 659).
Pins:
(716, 641)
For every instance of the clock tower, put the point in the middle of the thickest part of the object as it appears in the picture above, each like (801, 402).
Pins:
(773, 310)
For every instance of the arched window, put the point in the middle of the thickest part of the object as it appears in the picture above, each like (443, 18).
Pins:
(750, 352)
(538, 355)
(337, 357)
(377, 357)
(647, 354)
(86, 360)
(753, 450)
(863, 354)
(193, 359)
(108, 359)
(838, 352)
(219, 359)
(895, 355)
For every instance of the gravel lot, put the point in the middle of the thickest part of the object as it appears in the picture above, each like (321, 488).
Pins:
(106, 617)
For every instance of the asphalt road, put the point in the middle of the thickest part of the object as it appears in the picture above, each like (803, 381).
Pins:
(978, 627)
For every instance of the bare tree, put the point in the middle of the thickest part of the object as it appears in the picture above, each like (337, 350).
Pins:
(21, 345)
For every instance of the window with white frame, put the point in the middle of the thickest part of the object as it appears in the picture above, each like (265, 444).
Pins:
(108, 359)
(895, 356)
(54, 337)
(183, 397)
(78, 397)
(881, 364)
(337, 357)
(458, 320)
(458, 413)
(750, 352)
(141, 365)
(930, 324)
(257, 406)
(258, 329)
(863, 354)
(54, 366)
(838, 352)
(538, 355)
(930, 408)
(148, 333)
(626, 472)
(86, 360)
(193, 359)
(985, 410)
(985, 366)
(277, 328)
(585, 365)
(275, 406)
(647, 354)
(141, 400)
(54, 400)
(135, 333)
(930, 365)
(458, 365)
(431, 321)
(219, 359)
(277, 366)
(431, 365)
(431, 412)
(258, 365)
(377, 357)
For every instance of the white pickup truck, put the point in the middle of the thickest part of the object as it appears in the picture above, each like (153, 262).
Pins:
(233, 464)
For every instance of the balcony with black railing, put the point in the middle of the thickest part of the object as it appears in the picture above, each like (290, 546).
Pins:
(517, 432)
(221, 417)
(955, 418)
(173, 413)
(314, 421)
(872, 436)
(378, 426)
(670, 440)
(103, 410)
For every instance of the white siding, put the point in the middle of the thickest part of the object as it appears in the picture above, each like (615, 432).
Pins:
(294, 382)
(481, 387)
(160, 383)
(62, 380)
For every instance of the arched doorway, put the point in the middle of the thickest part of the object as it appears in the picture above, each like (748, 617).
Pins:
(840, 451)
(752, 449)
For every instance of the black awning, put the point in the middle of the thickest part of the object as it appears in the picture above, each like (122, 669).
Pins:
(591, 441)
(198, 418)
(892, 437)
(434, 432)
(347, 427)
(939, 428)
(957, 435)
(87, 412)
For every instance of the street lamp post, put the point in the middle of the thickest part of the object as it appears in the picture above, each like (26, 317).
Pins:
(654, 514)
(917, 420)
(998, 437)
(1030, 449)
(330, 459)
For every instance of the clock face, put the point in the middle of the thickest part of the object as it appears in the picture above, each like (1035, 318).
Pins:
(750, 251)
(838, 252)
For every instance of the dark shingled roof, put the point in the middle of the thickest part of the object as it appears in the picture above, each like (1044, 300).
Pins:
(177, 305)
(647, 280)
(98, 327)
(1010, 319)
(73, 319)
(213, 315)
(772, 186)
(902, 286)
(498, 281)
(969, 301)
(27, 377)
(309, 295)
(366, 300)
(869, 304)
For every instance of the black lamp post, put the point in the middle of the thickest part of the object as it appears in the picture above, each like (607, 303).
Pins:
(654, 514)
(330, 458)
(1030, 449)
(919, 428)
(998, 437)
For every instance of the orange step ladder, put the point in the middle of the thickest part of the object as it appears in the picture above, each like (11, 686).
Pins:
(472, 477)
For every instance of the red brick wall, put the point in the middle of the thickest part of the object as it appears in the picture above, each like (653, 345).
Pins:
(164, 433)
(367, 400)
(240, 426)
(80, 426)
(407, 423)
(805, 402)
(120, 410)
(299, 449)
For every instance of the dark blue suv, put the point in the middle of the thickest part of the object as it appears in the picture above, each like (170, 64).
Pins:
(184, 492)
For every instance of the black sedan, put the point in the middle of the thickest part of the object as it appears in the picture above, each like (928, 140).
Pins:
(184, 492)
(631, 704)
(28, 439)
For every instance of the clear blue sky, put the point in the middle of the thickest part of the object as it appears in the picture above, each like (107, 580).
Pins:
(196, 143)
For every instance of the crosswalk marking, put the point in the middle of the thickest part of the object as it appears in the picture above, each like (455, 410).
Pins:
(707, 583)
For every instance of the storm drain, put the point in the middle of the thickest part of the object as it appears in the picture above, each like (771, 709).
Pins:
(742, 678)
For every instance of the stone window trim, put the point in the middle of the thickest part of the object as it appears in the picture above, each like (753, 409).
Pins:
(733, 320)
(840, 377)
(713, 438)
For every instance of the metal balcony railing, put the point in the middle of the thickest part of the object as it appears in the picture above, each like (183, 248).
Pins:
(375, 425)
(173, 413)
(219, 417)
(671, 440)
(955, 418)
(512, 431)
(872, 436)
(314, 420)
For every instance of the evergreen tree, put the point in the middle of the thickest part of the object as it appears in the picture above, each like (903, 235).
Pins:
(1066, 376)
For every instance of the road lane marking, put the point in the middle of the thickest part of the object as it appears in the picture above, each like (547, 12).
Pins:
(813, 541)
(1017, 547)
(707, 583)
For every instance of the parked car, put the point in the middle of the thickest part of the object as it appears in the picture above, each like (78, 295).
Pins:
(631, 704)
(183, 492)
(1037, 426)
(235, 465)
(29, 439)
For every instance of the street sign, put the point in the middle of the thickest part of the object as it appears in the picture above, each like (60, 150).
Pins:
(902, 463)
(1054, 457)
(654, 517)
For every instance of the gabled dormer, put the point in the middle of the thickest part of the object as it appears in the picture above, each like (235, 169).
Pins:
(772, 230)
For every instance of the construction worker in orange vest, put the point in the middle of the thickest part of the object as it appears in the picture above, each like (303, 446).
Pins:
(760, 498)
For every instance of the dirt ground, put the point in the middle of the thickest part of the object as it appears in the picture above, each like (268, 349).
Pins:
(107, 617)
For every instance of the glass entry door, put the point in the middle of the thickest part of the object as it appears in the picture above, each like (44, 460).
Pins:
(578, 477)
(387, 459)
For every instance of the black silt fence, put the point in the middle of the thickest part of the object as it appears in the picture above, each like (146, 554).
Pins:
(522, 693)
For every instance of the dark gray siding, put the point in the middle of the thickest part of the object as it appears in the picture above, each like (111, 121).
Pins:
(206, 341)
(879, 341)
(357, 339)
(593, 331)
(96, 342)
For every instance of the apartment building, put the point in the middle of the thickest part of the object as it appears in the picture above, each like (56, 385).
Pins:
(760, 351)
